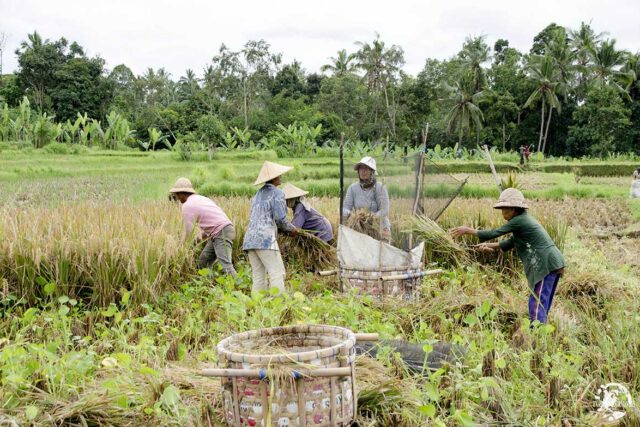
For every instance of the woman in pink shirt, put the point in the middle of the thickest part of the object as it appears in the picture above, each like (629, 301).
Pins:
(214, 226)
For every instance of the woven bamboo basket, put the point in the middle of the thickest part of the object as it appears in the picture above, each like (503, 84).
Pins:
(318, 363)
(375, 283)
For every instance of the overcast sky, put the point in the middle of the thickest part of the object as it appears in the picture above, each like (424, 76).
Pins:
(186, 34)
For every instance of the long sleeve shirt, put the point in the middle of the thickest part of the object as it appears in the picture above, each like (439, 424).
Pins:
(205, 213)
(374, 199)
(309, 219)
(268, 215)
(536, 250)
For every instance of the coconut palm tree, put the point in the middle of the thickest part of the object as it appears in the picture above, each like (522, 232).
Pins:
(464, 111)
(562, 54)
(475, 52)
(606, 66)
(632, 68)
(381, 65)
(341, 65)
(582, 41)
(546, 77)
(188, 84)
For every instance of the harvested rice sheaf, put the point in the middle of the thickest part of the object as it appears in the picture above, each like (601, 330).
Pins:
(307, 252)
(438, 242)
(363, 221)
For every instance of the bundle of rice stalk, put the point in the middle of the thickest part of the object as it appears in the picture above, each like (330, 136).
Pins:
(385, 399)
(363, 221)
(439, 245)
(307, 252)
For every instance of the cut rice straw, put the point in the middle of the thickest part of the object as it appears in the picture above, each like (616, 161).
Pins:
(438, 243)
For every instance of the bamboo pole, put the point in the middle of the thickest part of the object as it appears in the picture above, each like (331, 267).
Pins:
(493, 168)
(328, 272)
(262, 373)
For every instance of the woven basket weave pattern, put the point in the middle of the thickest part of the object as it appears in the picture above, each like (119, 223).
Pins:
(321, 401)
(368, 282)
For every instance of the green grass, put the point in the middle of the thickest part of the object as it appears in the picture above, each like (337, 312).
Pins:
(63, 348)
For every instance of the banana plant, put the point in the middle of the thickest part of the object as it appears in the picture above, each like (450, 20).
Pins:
(243, 136)
(5, 124)
(155, 136)
(44, 131)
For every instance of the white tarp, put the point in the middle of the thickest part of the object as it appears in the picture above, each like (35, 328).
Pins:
(359, 250)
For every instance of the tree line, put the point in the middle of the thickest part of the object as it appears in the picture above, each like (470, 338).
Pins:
(574, 93)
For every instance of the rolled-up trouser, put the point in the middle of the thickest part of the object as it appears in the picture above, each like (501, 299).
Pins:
(542, 296)
(263, 262)
(219, 248)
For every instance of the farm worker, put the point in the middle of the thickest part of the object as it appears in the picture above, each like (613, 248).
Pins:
(215, 227)
(542, 260)
(521, 151)
(635, 185)
(304, 216)
(368, 194)
(268, 215)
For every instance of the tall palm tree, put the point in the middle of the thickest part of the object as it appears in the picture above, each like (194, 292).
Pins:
(341, 65)
(548, 84)
(606, 66)
(562, 54)
(188, 84)
(475, 52)
(465, 110)
(582, 41)
(381, 65)
(632, 68)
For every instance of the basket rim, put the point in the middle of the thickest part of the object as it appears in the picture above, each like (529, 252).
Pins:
(304, 356)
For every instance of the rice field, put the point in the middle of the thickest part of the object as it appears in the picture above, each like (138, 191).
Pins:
(105, 319)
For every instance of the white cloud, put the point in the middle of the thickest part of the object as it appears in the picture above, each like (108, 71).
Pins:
(181, 35)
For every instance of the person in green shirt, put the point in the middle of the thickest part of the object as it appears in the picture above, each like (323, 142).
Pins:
(542, 260)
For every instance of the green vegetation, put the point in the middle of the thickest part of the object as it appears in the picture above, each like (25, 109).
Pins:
(98, 295)
(574, 92)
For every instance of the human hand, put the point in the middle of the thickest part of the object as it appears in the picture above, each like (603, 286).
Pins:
(485, 247)
(294, 231)
(461, 231)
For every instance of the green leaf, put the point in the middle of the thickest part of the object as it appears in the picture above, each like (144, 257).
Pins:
(30, 314)
(470, 320)
(432, 392)
(123, 359)
(501, 363)
(63, 299)
(64, 310)
(145, 370)
(126, 296)
(170, 396)
(429, 410)
(31, 412)
(49, 288)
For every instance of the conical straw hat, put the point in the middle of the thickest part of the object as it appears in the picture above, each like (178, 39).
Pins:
(182, 185)
(511, 198)
(291, 191)
(270, 171)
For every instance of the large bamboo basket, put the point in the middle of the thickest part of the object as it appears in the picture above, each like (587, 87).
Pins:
(318, 390)
(403, 282)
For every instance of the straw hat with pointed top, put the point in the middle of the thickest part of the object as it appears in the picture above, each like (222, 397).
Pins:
(511, 198)
(292, 192)
(182, 185)
(270, 171)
